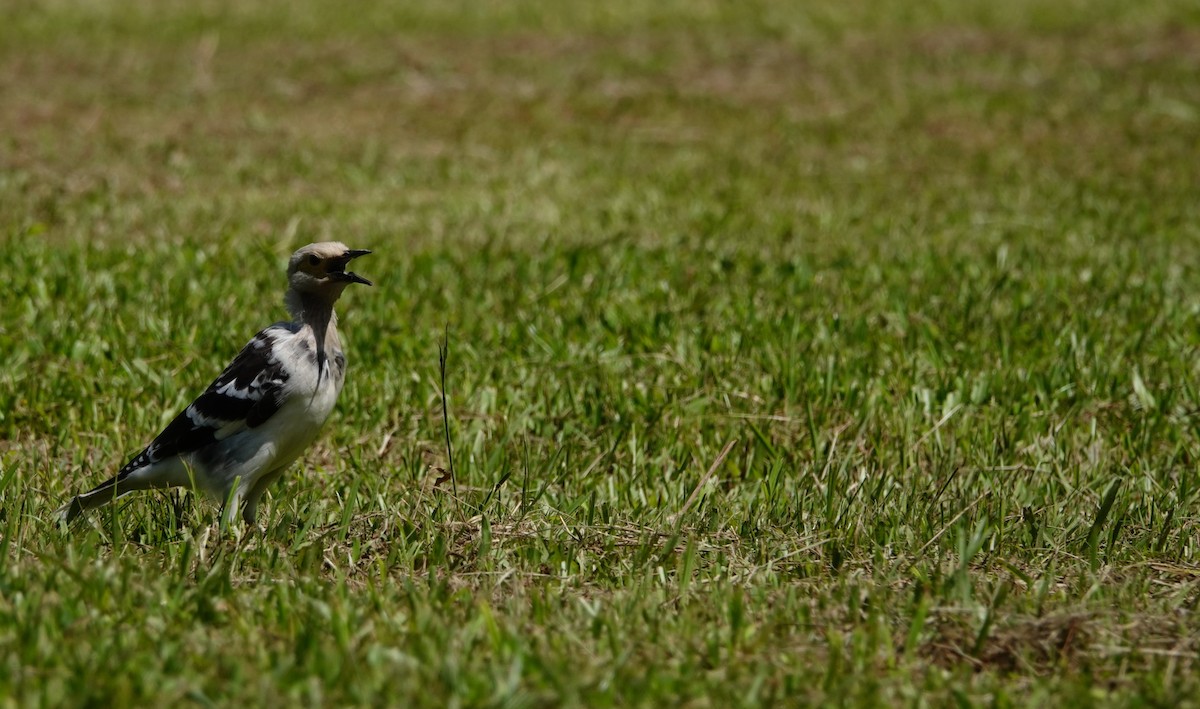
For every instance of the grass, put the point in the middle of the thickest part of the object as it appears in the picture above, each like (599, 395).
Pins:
(794, 354)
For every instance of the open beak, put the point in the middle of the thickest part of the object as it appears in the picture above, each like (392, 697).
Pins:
(338, 272)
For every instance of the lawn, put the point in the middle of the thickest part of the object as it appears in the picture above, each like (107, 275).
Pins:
(796, 353)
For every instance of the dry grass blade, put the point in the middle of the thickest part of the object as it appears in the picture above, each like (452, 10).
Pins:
(712, 469)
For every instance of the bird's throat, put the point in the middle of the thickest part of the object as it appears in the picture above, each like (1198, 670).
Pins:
(312, 311)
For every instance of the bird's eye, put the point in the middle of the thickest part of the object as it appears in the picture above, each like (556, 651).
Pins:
(313, 260)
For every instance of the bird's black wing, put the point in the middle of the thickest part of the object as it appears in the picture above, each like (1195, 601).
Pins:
(245, 395)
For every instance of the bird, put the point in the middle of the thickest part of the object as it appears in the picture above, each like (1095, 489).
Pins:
(262, 411)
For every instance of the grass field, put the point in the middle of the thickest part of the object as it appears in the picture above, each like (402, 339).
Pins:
(797, 352)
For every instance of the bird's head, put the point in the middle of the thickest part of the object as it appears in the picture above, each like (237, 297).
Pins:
(320, 269)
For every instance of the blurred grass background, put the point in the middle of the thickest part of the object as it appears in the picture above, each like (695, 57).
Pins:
(929, 267)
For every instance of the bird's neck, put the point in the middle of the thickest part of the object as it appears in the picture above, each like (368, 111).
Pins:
(312, 310)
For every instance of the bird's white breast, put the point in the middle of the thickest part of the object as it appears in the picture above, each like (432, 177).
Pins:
(314, 382)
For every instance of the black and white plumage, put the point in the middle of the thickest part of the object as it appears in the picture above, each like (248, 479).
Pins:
(261, 413)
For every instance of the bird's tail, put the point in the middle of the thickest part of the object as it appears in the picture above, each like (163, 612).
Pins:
(102, 494)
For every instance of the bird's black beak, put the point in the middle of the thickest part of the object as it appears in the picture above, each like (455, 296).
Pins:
(338, 272)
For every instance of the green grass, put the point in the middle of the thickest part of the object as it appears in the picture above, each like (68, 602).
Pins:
(925, 272)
